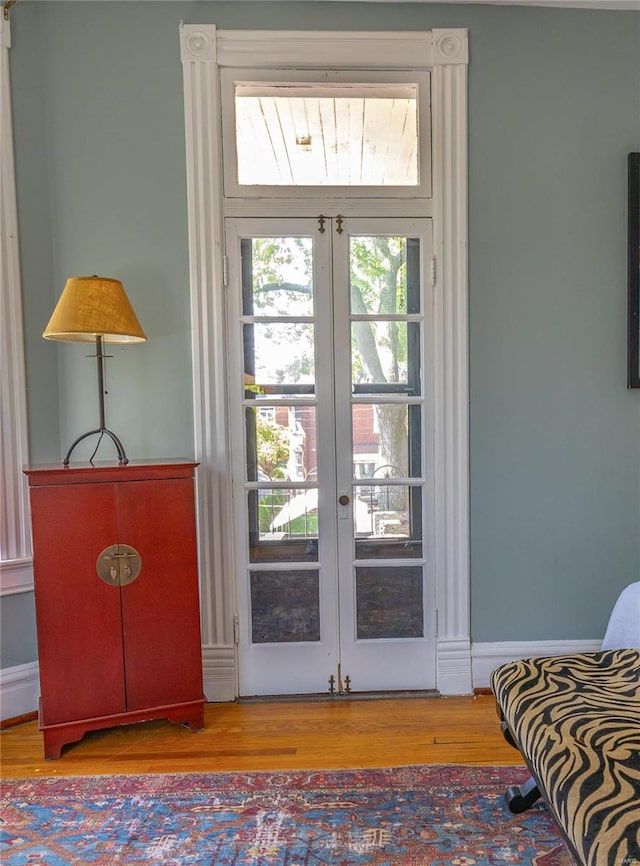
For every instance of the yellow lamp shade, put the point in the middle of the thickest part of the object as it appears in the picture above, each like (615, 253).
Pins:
(91, 307)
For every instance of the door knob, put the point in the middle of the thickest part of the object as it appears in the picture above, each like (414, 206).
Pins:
(343, 499)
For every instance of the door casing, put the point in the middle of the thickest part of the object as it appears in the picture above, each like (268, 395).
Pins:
(444, 52)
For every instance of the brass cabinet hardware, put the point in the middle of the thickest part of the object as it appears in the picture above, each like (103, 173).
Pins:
(119, 564)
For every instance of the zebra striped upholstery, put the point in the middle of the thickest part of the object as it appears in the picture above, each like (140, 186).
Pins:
(576, 721)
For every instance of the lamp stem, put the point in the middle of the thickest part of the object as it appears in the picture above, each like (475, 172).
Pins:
(100, 363)
(122, 457)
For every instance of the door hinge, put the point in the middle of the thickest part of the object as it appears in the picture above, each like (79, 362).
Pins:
(435, 622)
(225, 271)
(236, 629)
(433, 271)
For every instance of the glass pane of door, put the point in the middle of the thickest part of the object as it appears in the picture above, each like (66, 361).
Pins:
(386, 322)
(285, 606)
(280, 435)
(390, 602)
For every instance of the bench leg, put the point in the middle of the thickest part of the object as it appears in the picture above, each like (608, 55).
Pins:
(506, 733)
(520, 798)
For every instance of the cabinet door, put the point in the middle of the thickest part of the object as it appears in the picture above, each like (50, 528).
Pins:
(160, 608)
(78, 615)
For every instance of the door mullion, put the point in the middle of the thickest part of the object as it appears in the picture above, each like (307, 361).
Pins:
(327, 450)
(343, 433)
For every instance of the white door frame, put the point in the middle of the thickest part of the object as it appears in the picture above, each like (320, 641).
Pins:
(445, 54)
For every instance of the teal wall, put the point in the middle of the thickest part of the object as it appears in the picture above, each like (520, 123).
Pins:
(18, 633)
(554, 108)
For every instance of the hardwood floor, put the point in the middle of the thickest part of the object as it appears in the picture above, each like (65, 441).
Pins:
(280, 735)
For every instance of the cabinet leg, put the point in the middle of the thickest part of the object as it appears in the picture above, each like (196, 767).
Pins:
(54, 739)
(193, 719)
(57, 736)
(53, 745)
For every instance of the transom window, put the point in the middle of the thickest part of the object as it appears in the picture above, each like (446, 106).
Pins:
(319, 135)
(346, 134)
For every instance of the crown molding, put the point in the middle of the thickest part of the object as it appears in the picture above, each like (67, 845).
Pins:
(610, 5)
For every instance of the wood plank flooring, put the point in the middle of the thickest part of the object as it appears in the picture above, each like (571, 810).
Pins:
(281, 735)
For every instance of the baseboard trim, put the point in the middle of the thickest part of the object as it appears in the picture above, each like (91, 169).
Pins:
(16, 576)
(486, 657)
(20, 684)
(18, 720)
(219, 673)
(20, 687)
(19, 690)
(454, 666)
(454, 677)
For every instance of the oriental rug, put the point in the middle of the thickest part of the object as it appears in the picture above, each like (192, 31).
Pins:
(403, 816)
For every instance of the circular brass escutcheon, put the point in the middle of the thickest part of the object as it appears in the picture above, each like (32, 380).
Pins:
(119, 564)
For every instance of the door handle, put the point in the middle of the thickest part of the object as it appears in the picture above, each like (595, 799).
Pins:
(343, 506)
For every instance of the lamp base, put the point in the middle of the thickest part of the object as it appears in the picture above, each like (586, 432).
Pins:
(122, 457)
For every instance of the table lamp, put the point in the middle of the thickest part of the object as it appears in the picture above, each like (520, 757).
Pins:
(95, 308)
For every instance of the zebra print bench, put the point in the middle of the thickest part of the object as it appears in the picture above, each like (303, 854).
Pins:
(576, 721)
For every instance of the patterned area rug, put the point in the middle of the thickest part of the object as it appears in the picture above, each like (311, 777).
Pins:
(407, 816)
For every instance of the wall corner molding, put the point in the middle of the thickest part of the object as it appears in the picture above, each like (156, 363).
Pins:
(15, 535)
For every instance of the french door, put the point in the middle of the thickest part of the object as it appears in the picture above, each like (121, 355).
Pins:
(329, 335)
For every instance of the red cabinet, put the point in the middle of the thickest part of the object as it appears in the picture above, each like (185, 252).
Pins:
(116, 592)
